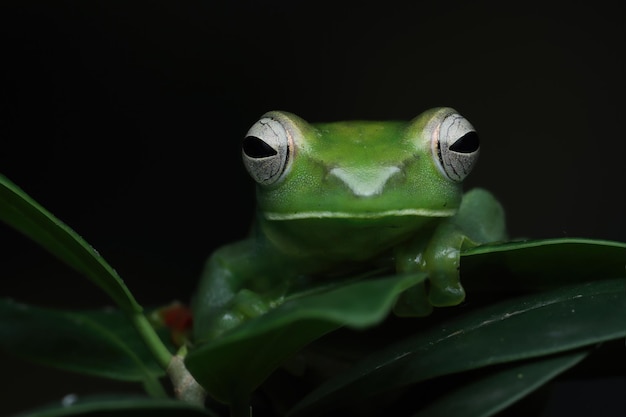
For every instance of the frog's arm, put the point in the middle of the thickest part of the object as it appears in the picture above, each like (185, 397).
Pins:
(480, 219)
(239, 281)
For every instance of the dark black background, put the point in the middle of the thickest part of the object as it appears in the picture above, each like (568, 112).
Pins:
(124, 118)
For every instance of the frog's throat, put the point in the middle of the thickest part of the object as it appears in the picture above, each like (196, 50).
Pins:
(350, 215)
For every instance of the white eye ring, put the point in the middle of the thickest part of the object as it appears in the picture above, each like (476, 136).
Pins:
(455, 146)
(266, 151)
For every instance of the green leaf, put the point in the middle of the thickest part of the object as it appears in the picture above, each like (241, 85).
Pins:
(96, 343)
(232, 366)
(21, 212)
(520, 328)
(540, 264)
(489, 394)
(119, 406)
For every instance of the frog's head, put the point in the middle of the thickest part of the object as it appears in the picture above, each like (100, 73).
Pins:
(360, 169)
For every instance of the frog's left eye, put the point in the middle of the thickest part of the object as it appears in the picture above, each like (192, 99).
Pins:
(266, 151)
(455, 146)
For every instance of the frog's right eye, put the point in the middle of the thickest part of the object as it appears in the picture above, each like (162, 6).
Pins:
(266, 151)
(455, 145)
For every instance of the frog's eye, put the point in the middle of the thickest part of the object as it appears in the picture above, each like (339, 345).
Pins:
(455, 146)
(266, 151)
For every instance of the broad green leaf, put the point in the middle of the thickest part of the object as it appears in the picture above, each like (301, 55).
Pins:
(541, 264)
(233, 365)
(489, 394)
(119, 406)
(517, 329)
(99, 343)
(21, 212)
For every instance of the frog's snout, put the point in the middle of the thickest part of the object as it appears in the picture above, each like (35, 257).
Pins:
(365, 182)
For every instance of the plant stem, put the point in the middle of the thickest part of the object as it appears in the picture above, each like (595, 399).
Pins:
(152, 340)
(154, 388)
(185, 386)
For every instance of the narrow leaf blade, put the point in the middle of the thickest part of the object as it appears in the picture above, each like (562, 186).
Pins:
(119, 406)
(499, 389)
(232, 366)
(21, 212)
(521, 328)
(540, 264)
(98, 343)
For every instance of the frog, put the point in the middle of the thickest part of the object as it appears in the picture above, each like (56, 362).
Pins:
(335, 199)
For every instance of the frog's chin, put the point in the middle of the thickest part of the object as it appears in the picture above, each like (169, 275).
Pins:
(321, 214)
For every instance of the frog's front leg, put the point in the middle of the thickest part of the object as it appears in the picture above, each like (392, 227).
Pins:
(480, 219)
(239, 281)
(439, 257)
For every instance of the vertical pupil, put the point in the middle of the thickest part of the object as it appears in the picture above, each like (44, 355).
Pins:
(257, 148)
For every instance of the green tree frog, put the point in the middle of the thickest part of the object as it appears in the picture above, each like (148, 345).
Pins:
(337, 198)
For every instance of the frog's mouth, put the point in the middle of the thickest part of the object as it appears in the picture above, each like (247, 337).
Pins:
(365, 215)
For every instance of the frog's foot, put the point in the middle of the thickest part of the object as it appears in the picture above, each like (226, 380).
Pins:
(413, 302)
(244, 306)
(441, 290)
(445, 290)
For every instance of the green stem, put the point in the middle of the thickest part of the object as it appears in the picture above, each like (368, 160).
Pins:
(162, 355)
(185, 386)
(154, 388)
